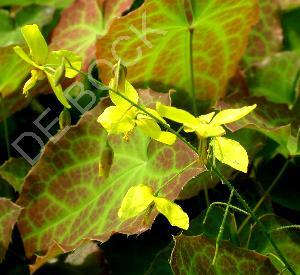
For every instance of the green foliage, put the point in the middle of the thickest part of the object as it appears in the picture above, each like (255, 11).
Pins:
(130, 156)
(193, 255)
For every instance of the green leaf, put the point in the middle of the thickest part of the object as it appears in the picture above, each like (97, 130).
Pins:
(11, 23)
(193, 255)
(72, 202)
(288, 241)
(276, 78)
(54, 3)
(230, 152)
(266, 37)
(36, 43)
(136, 201)
(173, 212)
(162, 43)
(14, 171)
(82, 22)
(9, 213)
(13, 71)
(210, 229)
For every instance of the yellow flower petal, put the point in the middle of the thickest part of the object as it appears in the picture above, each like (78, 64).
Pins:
(19, 51)
(177, 115)
(230, 152)
(207, 130)
(36, 43)
(173, 212)
(129, 93)
(230, 115)
(206, 118)
(30, 83)
(117, 120)
(152, 129)
(136, 200)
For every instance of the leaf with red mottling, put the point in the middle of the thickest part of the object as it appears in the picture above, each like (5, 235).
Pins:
(9, 213)
(273, 120)
(14, 171)
(193, 255)
(82, 22)
(166, 47)
(65, 199)
(288, 241)
(266, 37)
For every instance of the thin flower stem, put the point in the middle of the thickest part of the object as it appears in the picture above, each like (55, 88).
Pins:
(214, 169)
(262, 199)
(220, 234)
(286, 227)
(254, 217)
(223, 204)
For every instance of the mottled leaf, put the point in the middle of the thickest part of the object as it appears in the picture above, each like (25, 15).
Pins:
(288, 241)
(266, 37)
(9, 213)
(14, 171)
(67, 201)
(193, 255)
(276, 78)
(273, 120)
(82, 22)
(164, 46)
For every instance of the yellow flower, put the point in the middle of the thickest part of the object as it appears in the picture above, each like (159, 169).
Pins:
(210, 125)
(45, 63)
(124, 117)
(141, 197)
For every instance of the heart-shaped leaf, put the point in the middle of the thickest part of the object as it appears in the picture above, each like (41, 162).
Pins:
(193, 255)
(82, 22)
(266, 37)
(191, 46)
(67, 201)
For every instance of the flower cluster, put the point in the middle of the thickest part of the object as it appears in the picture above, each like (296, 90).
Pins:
(53, 65)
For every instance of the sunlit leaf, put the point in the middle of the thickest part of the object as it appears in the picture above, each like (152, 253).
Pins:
(193, 255)
(289, 4)
(230, 152)
(161, 42)
(72, 202)
(13, 71)
(82, 22)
